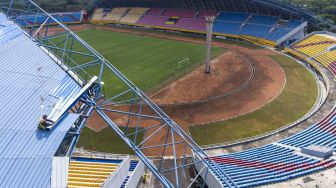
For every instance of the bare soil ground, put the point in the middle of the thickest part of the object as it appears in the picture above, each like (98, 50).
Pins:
(229, 72)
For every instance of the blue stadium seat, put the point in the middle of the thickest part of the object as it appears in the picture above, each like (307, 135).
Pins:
(233, 17)
(259, 26)
(259, 31)
(279, 162)
(264, 20)
(227, 27)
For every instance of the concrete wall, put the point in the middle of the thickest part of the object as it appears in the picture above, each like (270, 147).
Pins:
(59, 172)
(136, 175)
(208, 176)
(298, 29)
(118, 176)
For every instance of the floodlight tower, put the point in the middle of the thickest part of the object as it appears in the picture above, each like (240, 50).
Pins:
(209, 25)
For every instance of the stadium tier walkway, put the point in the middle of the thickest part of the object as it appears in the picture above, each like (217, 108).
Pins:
(27, 74)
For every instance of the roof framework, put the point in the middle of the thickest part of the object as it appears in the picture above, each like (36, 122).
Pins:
(130, 108)
(27, 74)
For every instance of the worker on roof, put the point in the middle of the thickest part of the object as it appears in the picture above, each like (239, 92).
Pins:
(44, 122)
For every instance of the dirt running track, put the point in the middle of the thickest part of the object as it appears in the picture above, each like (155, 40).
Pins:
(230, 71)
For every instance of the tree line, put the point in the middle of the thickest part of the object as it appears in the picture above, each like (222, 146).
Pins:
(324, 9)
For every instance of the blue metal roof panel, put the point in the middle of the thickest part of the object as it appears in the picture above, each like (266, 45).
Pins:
(26, 152)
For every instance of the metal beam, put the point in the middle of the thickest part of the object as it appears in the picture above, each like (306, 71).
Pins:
(175, 136)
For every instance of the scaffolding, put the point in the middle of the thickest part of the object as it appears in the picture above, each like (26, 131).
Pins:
(129, 107)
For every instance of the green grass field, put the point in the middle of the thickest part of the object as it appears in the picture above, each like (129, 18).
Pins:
(105, 141)
(297, 98)
(192, 36)
(150, 63)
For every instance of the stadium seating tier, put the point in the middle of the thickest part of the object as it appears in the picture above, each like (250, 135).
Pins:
(231, 23)
(320, 48)
(281, 161)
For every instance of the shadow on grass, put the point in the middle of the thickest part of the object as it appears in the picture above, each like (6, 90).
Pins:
(105, 141)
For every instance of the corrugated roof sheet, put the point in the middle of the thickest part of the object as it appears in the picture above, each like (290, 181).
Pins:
(26, 74)
(59, 174)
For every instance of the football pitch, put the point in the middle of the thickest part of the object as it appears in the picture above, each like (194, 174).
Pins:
(150, 63)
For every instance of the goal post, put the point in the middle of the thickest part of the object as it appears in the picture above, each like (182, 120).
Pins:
(184, 62)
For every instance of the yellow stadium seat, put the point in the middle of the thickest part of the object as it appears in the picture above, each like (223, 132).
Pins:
(112, 17)
(122, 10)
(130, 18)
(317, 47)
(140, 11)
(89, 174)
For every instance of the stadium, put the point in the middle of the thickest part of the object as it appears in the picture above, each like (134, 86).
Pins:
(166, 93)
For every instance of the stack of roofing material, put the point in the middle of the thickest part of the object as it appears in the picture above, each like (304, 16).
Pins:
(27, 73)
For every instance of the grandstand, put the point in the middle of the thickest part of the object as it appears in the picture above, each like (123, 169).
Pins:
(265, 29)
(281, 161)
(285, 160)
(63, 17)
(41, 79)
(319, 46)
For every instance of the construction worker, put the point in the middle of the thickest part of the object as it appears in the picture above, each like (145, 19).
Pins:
(144, 179)
(44, 122)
